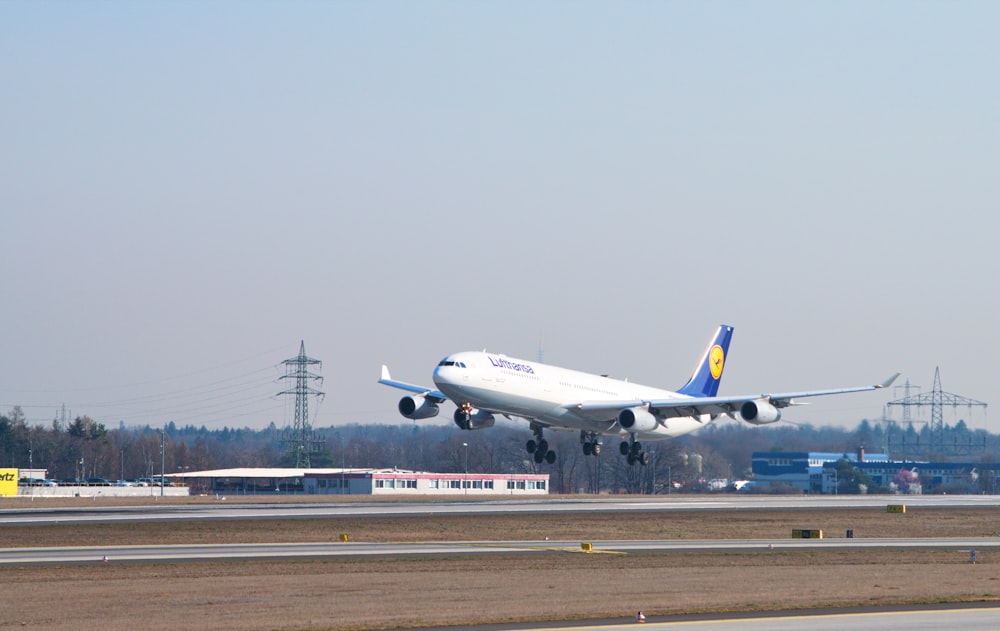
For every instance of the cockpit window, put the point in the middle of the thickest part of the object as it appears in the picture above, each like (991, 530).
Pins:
(448, 362)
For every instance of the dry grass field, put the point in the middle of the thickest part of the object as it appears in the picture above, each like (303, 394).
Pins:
(404, 593)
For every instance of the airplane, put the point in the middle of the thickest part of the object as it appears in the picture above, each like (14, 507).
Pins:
(483, 385)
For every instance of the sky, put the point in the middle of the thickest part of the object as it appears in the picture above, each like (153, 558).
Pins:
(188, 190)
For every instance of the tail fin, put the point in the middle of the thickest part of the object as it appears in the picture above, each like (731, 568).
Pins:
(704, 381)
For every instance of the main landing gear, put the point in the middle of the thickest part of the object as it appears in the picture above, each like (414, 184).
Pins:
(632, 450)
(591, 442)
(540, 447)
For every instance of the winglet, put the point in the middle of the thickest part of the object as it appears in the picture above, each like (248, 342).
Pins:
(888, 382)
(385, 373)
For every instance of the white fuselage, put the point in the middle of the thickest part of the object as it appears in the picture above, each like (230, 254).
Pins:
(550, 395)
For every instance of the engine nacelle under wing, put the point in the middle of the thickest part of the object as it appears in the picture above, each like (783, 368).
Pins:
(637, 420)
(759, 412)
(417, 407)
(474, 419)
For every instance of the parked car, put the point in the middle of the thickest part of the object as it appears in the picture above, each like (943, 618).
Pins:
(98, 482)
(30, 482)
(157, 481)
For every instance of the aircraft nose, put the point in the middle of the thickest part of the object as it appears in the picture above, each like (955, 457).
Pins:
(447, 371)
(442, 370)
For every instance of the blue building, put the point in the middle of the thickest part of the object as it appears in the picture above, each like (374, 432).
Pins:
(803, 470)
(816, 472)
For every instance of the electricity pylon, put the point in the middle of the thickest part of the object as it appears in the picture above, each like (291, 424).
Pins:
(300, 439)
(936, 399)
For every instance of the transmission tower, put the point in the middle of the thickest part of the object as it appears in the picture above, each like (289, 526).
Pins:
(300, 439)
(936, 399)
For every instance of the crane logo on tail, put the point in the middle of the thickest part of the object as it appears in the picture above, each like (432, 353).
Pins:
(716, 359)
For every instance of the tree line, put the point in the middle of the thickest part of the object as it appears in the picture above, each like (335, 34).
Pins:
(84, 448)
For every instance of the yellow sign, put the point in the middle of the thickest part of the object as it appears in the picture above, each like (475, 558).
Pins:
(8, 482)
(895, 508)
(716, 359)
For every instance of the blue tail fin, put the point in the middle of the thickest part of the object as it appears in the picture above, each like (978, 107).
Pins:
(704, 381)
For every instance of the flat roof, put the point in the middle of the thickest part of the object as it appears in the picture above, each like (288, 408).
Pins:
(285, 472)
(260, 472)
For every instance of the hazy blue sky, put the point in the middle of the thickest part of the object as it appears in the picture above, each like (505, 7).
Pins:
(189, 189)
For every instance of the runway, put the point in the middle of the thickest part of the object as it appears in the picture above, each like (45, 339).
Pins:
(342, 550)
(233, 509)
(967, 618)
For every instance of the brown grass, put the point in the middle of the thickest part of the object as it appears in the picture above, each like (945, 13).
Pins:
(635, 525)
(395, 593)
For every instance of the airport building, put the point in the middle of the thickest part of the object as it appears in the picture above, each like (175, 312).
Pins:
(816, 472)
(395, 482)
(360, 482)
(916, 478)
(271, 481)
(802, 470)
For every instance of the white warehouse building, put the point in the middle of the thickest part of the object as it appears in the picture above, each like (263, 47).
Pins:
(261, 481)
(396, 482)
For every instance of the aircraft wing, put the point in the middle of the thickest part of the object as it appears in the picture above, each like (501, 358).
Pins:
(694, 406)
(786, 399)
(432, 394)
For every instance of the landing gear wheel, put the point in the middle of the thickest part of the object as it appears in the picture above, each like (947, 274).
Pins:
(588, 449)
(624, 448)
(631, 459)
(540, 447)
(644, 458)
(596, 449)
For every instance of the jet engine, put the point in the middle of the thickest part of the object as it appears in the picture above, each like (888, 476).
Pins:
(637, 420)
(759, 412)
(417, 407)
(473, 419)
